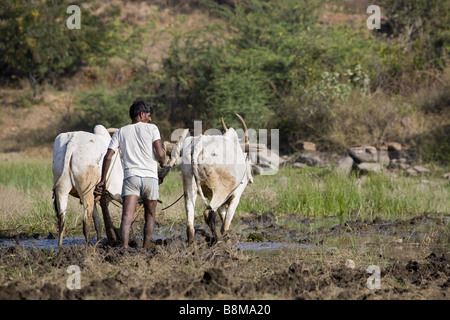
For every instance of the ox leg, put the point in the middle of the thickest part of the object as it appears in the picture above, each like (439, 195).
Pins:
(190, 195)
(112, 233)
(97, 223)
(88, 211)
(222, 213)
(232, 205)
(230, 213)
(88, 201)
(60, 204)
(210, 219)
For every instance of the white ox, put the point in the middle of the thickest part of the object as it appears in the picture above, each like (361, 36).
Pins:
(217, 168)
(77, 164)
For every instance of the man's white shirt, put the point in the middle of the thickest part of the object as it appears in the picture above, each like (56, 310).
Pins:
(136, 144)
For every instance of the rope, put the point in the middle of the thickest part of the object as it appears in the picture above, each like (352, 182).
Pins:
(173, 203)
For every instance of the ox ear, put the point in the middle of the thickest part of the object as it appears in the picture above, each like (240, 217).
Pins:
(253, 147)
(112, 130)
(175, 154)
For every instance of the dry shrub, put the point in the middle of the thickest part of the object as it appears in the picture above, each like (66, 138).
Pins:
(14, 204)
(418, 117)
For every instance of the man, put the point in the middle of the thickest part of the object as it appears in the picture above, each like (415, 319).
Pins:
(141, 148)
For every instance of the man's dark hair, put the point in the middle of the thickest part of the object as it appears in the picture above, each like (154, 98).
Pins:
(140, 106)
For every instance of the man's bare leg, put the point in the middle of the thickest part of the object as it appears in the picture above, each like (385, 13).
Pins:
(150, 214)
(128, 210)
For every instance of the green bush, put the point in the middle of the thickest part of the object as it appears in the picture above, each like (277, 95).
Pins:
(37, 44)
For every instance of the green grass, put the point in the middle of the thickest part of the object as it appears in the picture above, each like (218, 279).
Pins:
(29, 175)
(303, 193)
(316, 192)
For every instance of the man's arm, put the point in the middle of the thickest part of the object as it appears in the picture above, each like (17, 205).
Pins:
(105, 167)
(160, 154)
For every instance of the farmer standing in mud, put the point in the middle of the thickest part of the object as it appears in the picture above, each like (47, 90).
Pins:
(141, 149)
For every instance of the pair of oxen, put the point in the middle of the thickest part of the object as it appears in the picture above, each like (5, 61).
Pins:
(216, 167)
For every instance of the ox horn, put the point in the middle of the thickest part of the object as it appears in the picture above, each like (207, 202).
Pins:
(244, 126)
(224, 127)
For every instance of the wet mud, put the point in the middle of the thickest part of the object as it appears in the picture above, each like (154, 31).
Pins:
(264, 258)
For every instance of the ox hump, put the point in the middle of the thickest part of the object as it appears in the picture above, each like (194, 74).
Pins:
(101, 130)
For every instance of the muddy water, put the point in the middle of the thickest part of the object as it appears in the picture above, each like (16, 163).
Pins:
(265, 247)
(266, 234)
(51, 244)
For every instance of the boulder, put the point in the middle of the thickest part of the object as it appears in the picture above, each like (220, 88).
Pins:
(363, 154)
(257, 170)
(395, 150)
(383, 157)
(394, 146)
(311, 158)
(265, 161)
(412, 172)
(421, 170)
(366, 167)
(299, 165)
(305, 145)
(383, 153)
(395, 164)
(344, 165)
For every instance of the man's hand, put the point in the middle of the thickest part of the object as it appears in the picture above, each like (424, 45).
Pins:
(99, 190)
(162, 173)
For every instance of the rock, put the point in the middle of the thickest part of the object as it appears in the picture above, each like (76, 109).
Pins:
(363, 154)
(394, 146)
(269, 158)
(344, 165)
(421, 170)
(403, 166)
(349, 263)
(310, 158)
(446, 176)
(309, 146)
(395, 150)
(395, 154)
(383, 157)
(397, 165)
(305, 145)
(369, 167)
(299, 165)
(412, 172)
(257, 169)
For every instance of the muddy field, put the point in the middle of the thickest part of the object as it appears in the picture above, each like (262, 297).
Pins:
(265, 259)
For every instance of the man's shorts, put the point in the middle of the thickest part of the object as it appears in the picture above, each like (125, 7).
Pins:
(145, 188)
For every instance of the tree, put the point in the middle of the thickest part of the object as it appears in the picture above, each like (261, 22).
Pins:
(37, 44)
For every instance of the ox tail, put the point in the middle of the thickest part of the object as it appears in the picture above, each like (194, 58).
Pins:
(67, 161)
(198, 148)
